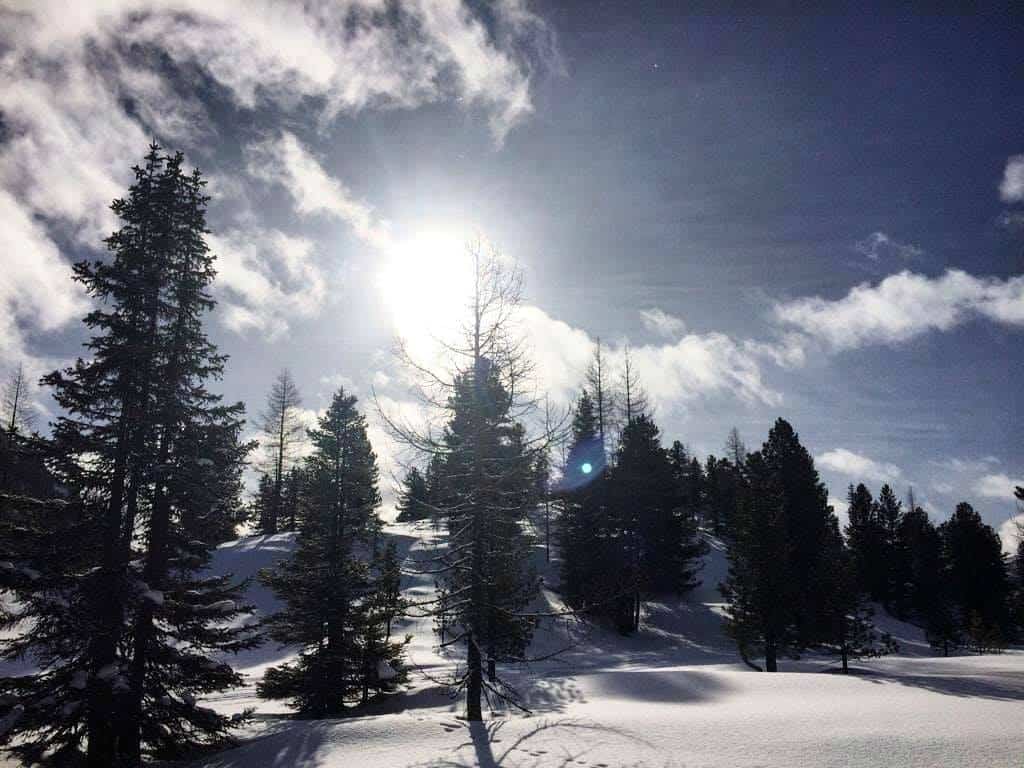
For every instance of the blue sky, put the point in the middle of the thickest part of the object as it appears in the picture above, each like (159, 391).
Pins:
(819, 217)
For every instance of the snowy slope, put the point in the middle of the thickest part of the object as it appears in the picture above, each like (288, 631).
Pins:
(674, 694)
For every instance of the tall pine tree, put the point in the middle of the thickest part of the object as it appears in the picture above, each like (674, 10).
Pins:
(124, 624)
(333, 587)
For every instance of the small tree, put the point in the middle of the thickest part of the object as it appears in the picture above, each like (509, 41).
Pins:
(15, 400)
(283, 433)
(413, 497)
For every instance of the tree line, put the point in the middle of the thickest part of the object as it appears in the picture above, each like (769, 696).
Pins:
(107, 525)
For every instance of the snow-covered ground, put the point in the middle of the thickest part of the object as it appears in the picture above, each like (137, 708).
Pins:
(675, 694)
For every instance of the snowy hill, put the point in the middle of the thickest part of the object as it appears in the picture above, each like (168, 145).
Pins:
(674, 694)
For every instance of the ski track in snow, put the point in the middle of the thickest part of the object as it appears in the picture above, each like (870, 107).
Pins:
(674, 695)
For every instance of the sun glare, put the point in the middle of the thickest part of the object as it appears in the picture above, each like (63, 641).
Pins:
(424, 284)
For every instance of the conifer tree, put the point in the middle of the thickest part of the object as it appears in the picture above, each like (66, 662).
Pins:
(652, 522)
(588, 581)
(760, 588)
(413, 497)
(16, 414)
(122, 622)
(866, 538)
(603, 397)
(889, 512)
(486, 477)
(283, 433)
(853, 635)
(778, 552)
(333, 590)
(977, 578)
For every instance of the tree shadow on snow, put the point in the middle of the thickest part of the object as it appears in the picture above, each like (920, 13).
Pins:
(1002, 685)
(547, 744)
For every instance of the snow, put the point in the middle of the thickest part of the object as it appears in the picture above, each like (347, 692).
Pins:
(673, 695)
(154, 596)
(221, 606)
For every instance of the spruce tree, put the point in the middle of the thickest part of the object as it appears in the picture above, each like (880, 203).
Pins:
(977, 578)
(761, 588)
(866, 538)
(778, 552)
(333, 588)
(653, 522)
(852, 633)
(889, 512)
(413, 497)
(587, 580)
(125, 626)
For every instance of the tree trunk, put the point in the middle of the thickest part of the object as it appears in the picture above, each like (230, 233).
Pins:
(770, 651)
(474, 684)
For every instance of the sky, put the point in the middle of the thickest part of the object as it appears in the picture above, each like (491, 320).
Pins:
(812, 216)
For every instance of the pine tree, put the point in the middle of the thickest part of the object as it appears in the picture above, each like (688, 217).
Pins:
(123, 622)
(338, 601)
(604, 399)
(634, 401)
(652, 519)
(778, 552)
(588, 582)
(853, 635)
(809, 521)
(977, 578)
(291, 499)
(866, 538)
(15, 407)
(761, 588)
(487, 485)
(889, 513)
(283, 431)
(414, 497)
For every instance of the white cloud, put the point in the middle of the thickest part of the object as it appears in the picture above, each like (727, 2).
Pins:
(858, 466)
(349, 55)
(903, 306)
(78, 109)
(672, 374)
(266, 279)
(998, 486)
(662, 323)
(1010, 533)
(313, 190)
(879, 245)
(1011, 188)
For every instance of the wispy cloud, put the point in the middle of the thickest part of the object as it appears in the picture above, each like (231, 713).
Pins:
(662, 323)
(859, 466)
(266, 279)
(879, 245)
(903, 306)
(1011, 188)
(86, 85)
(286, 161)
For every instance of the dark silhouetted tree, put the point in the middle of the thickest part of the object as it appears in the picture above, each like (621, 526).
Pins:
(413, 497)
(336, 595)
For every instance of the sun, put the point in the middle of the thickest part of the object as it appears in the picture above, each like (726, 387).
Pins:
(424, 284)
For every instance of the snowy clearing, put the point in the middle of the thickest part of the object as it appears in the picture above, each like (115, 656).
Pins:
(674, 695)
